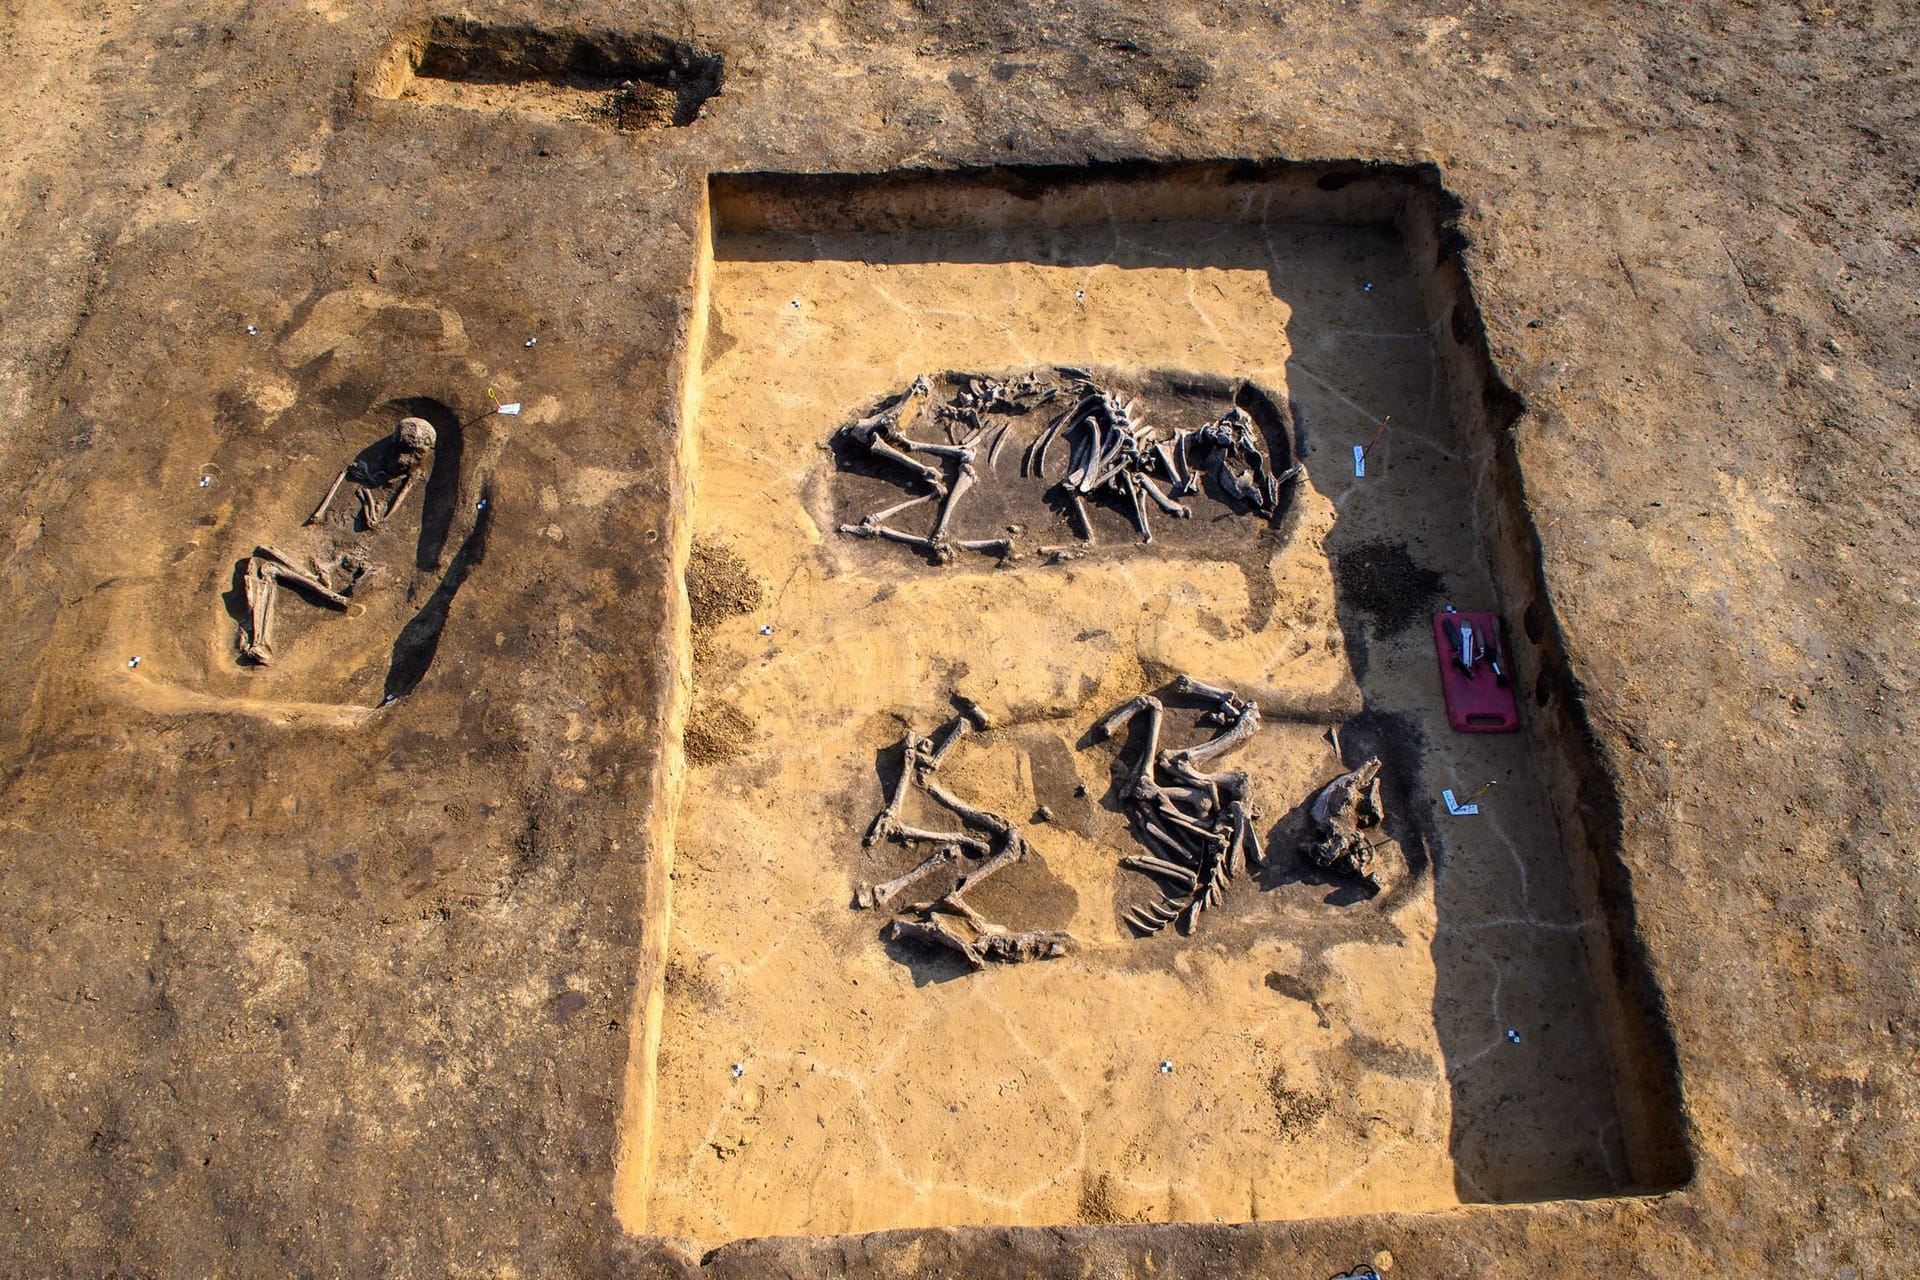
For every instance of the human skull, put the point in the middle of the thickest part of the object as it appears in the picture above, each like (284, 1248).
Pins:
(415, 439)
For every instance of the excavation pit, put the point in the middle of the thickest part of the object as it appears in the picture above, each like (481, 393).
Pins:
(1477, 1032)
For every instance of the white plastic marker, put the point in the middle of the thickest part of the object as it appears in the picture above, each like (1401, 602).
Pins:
(1359, 460)
(509, 410)
(1457, 809)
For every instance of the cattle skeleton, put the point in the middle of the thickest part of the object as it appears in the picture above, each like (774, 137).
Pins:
(993, 841)
(1198, 827)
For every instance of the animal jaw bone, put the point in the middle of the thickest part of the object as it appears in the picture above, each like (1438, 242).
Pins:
(1235, 445)
(1006, 948)
(1338, 814)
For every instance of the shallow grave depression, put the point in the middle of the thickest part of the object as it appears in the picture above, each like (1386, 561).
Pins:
(1477, 1032)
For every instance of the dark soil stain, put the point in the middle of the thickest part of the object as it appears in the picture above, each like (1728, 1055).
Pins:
(719, 585)
(716, 729)
(1389, 1059)
(1381, 580)
(1297, 1110)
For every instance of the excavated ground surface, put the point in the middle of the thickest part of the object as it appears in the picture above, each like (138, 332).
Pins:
(1329, 1054)
(293, 985)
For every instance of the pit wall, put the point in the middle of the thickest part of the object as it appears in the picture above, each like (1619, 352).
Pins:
(633, 1161)
(1593, 832)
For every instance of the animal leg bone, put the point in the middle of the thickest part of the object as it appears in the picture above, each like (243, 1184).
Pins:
(1078, 506)
(961, 483)
(931, 475)
(883, 822)
(993, 822)
(1161, 500)
(928, 757)
(940, 936)
(1132, 484)
(878, 517)
(919, 835)
(875, 896)
(1188, 687)
(1125, 712)
(887, 534)
(1242, 729)
(953, 906)
(1012, 850)
(960, 451)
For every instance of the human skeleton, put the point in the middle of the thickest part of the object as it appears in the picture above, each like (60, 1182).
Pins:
(329, 574)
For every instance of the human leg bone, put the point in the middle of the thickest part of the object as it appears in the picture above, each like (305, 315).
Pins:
(256, 643)
(320, 512)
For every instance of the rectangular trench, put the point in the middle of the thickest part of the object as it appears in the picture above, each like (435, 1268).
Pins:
(1482, 1031)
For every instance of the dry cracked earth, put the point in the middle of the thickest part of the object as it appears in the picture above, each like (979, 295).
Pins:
(504, 923)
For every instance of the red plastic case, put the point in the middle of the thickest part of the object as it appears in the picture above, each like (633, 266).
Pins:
(1477, 703)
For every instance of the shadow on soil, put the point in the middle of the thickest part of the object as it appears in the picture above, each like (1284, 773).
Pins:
(1509, 1139)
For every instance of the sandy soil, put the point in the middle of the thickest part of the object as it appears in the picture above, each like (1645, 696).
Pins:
(292, 988)
(1329, 1054)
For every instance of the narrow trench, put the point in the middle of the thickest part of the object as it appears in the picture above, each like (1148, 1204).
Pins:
(623, 80)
